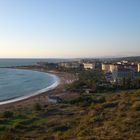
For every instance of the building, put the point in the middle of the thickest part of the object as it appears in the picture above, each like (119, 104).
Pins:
(113, 67)
(109, 67)
(137, 75)
(118, 76)
(106, 67)
(89, 66)
(139, 67)
(131, 67)
(72, 65)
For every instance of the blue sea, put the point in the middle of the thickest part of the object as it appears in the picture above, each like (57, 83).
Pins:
(27, 62)
(16, 85)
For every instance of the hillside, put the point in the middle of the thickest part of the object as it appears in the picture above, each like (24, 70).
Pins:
(84, 117)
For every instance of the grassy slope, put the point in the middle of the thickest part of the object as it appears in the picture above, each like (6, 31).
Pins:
(84, 117)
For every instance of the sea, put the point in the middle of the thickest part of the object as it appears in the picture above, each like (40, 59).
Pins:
(16, 85)
(27, 62)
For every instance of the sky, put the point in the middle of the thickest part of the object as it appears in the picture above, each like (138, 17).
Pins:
(69, 28)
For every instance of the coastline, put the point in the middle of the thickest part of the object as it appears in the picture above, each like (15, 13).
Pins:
(51, 87)
(41, 96)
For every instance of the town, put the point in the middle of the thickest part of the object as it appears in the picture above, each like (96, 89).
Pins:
(116, 74)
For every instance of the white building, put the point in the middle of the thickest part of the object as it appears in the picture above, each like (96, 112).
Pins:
(139, 67)
(113, 68)
(106, 67)
(109, 67)
(89, 66)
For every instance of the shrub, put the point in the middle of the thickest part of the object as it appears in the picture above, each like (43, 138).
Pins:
(82, 101)
(7, 136)
(8, 114)
(136, 105)
(37, 107)
(110, 104)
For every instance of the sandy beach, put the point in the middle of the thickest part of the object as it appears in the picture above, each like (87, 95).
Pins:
(43, 98)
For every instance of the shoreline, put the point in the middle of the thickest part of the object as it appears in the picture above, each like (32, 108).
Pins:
(42, 96)
(17, 99)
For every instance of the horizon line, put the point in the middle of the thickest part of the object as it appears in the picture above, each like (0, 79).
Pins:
(100, 57)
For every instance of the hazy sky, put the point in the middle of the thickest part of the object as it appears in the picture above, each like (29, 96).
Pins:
(69, 28)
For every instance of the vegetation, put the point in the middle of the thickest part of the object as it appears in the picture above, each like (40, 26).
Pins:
(7, 114)
(95, 82)
(37, 107)
(92, 82)
(84, 117)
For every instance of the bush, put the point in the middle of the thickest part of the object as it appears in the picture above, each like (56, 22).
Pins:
(110, 104)
(8, 114)
(7, 136)
(37, 107)
(136, 105)
(82, 101)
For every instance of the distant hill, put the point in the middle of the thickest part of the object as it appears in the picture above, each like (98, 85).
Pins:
(130, 58)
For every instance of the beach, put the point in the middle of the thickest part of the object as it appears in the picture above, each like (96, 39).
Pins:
(44, 97)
